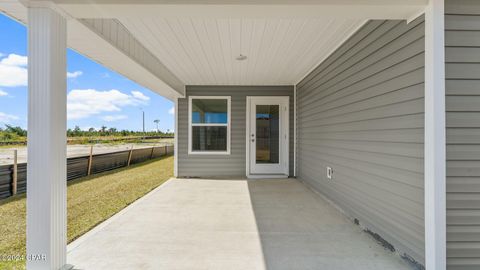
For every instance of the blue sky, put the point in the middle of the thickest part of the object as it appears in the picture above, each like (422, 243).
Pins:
(96, 95)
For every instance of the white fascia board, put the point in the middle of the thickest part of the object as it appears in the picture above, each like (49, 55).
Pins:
(14, 10)
(142, 63)
(87, 42)
(312, 69)
(138, 66)
(401, 11)
(248, 2)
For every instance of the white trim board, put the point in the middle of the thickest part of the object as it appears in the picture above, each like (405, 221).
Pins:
(175, 150)
(331, 52)
(435, 137)
(295, 131)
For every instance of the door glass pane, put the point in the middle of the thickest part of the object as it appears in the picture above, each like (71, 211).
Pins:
(206, 138)
(267, 129)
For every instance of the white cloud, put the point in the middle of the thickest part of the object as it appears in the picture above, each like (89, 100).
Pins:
(7, 118)
(83, 103)
(139, 95)
(3, 93)
(13, 71)
(15, 60)
(113, 118)
(171, 111)
(74, 74)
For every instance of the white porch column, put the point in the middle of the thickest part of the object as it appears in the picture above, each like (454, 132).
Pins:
(46, 185)
(435, 142)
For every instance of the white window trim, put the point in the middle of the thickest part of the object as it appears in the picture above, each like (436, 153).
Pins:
(228, 125)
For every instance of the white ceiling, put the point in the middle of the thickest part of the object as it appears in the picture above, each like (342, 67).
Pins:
(195, 42)
(202, 51)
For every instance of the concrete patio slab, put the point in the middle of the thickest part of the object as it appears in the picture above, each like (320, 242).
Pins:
(230, 224)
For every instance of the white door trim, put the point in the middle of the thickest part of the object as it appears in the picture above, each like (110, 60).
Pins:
(285, 150)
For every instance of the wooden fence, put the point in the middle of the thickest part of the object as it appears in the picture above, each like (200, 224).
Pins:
(13, 177)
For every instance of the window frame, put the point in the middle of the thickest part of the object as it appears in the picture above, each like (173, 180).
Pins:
(190, 125)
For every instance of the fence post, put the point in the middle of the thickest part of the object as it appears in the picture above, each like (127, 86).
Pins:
(15, 172)
(151, 154)
(90, 160)
(130, 156)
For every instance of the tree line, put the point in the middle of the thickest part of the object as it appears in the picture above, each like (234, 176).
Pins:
(16, 133)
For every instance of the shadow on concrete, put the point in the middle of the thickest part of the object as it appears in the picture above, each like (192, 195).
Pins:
(299, 230)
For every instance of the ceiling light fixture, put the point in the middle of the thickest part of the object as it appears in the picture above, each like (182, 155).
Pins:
(241, 57)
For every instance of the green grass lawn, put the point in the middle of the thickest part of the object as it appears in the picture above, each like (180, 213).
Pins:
(91, 200)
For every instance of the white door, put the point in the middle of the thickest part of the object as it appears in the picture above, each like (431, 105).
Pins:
(267, 136)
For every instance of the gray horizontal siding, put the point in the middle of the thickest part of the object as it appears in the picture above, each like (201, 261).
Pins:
(233, 164)
(462, 55)
(361, 112)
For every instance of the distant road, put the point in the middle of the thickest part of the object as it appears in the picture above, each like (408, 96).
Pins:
(6, 154)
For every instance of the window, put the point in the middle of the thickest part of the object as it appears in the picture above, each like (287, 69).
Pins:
(209, 125)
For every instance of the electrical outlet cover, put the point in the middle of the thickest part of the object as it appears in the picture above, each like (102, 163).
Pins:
(329, 172)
